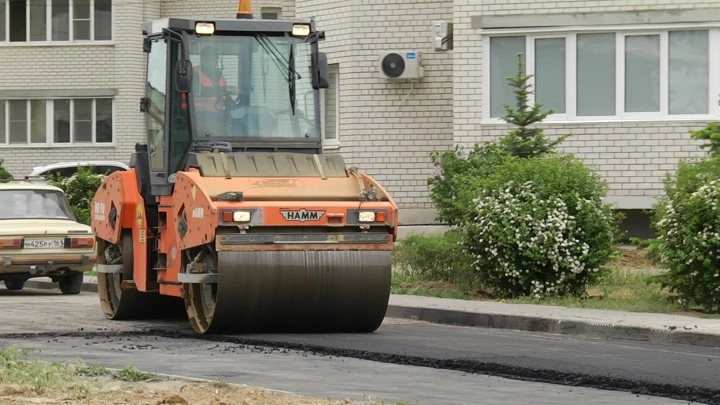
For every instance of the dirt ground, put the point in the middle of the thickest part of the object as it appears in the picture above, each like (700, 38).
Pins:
(103, 391)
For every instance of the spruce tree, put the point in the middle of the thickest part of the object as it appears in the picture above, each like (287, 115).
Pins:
(710, 134)
(525, 141)
(4, 174)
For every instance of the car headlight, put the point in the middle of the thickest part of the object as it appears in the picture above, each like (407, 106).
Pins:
(367, 216)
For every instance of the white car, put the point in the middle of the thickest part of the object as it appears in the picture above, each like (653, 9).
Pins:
(40, 237)
(67, 169)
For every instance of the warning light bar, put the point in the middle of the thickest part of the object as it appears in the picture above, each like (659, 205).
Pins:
(244, 9)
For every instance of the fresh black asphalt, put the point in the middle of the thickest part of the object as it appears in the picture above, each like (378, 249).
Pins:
(674, 371)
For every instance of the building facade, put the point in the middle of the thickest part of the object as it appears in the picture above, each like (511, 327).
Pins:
(628, 81)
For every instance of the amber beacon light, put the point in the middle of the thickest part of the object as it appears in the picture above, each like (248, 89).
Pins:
(244, 9)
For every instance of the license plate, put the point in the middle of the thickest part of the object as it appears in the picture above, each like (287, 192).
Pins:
(44, 243)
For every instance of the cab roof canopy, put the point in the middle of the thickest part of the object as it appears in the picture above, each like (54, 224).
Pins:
(227, 25)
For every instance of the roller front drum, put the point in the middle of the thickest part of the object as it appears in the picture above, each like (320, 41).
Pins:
(292, 291)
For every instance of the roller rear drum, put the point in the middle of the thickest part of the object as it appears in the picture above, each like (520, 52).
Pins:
(291, 291)
(127, 303)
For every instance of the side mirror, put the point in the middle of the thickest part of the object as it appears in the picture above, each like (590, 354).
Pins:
(183, 76)
(321, 78)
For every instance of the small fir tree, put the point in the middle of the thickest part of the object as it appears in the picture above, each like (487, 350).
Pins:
(4, 174)
(525, 141)
(710, 134)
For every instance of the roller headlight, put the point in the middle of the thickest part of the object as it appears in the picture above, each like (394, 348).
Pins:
(241, 216)
(301, 30)
(236, 216)
(367, 216)
(204, 28)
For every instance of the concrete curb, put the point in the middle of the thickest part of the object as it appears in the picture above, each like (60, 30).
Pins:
(553, 326)
(513, 322)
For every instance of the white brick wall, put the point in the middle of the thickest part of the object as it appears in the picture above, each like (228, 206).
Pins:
(220, 8)
(388, 139)
(632, 156)
(118, 67)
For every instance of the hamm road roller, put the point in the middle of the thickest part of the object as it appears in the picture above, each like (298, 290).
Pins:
(231, 215)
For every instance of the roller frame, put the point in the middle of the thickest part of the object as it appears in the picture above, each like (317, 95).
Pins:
(319, 299)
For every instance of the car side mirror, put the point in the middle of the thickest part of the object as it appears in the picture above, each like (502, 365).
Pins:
(320, 71)
(183, 76)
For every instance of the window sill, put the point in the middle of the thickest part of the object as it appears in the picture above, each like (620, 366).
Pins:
(56, 44)
(57, 146)
(332, 146)
(613, 120)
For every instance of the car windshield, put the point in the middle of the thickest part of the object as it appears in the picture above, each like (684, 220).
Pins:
(243, 86)
(34, 204)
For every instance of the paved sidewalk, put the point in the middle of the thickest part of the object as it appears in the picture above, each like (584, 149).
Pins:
(593, 323)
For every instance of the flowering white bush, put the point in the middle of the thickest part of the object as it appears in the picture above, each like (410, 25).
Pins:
(689, 243)
(525, 241)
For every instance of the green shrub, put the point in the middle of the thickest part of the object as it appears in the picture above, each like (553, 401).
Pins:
(433, 257)
(540, 227)
(687, 219)
(4, 174)
(80, 190)
(452, 187)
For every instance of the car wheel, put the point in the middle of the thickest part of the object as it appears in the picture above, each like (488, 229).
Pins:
(14, 285)
(72, 283)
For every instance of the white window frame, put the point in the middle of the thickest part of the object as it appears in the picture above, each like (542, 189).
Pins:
(570, 33)
(530, 71)
(50, 124)
(48, 27)
(331, 143)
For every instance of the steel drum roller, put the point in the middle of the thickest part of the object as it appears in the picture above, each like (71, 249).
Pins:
(293, 290)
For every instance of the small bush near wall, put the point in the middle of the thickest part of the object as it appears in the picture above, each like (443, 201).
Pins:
(687, 219)
(80, 189)
(529, 220)
(4, 174)
(433, 257)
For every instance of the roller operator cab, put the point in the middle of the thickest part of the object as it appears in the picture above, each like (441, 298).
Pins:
(231, 215)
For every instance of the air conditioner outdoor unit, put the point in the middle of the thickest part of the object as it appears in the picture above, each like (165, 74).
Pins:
(400, 65)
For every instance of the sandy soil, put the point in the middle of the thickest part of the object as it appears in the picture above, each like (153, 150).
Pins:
(171, 392)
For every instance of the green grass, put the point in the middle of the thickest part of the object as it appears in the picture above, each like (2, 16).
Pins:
(27, 378)
(618, 290)
(76, 381)
(131, 374)
(36, 375)
(406, 283)
(626, 287)
(40, 377)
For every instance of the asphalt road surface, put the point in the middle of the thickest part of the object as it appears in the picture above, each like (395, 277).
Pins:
(412, 361)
